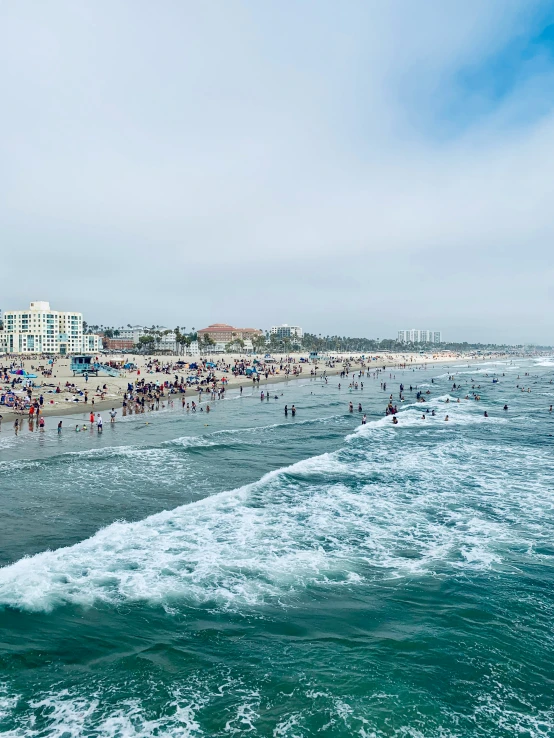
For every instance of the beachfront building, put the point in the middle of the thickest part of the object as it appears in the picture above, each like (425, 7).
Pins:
(132, 333)
(193, 349)
(41, 330)
(287, 331)
(168, 342)
(118, 344)
(92, 343)
(419, 336)
(223, 333)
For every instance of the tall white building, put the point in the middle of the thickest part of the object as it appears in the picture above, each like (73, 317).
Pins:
(287, 331)
(41, 330)
(419, 336)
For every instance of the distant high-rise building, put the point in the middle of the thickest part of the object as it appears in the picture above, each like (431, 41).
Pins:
(419, 336)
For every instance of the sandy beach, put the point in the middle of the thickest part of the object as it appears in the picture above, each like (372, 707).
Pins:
(106, 392)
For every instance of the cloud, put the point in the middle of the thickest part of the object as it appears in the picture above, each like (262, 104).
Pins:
(349, 168)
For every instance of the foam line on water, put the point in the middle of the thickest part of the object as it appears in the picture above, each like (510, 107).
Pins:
(330, 520)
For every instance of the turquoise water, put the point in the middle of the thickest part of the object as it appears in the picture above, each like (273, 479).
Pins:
(243, 573)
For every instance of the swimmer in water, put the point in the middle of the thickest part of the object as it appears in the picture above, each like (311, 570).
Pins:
(364, 420)
(446, 417)
(486, 414)
(394, 420)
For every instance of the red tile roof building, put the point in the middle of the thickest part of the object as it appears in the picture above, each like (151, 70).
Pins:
(226, 333)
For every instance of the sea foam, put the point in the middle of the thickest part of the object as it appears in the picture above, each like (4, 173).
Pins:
(330, 520)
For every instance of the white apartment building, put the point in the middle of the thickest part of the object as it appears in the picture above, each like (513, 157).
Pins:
(287, 331)
(133, 333)
(419, 336)
(92, 343)
(41, 330)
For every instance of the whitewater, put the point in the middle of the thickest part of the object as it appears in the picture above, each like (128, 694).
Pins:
(287, 578)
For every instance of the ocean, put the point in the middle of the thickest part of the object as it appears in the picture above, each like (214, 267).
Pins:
(246, 573)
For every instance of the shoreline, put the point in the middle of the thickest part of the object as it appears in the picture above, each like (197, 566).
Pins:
(82, 411)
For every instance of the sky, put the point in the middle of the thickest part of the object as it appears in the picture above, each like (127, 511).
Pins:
(353, 168)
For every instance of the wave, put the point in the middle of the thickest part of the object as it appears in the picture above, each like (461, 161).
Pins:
(226, 438)
(330, 520)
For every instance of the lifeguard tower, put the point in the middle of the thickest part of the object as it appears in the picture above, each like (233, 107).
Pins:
(83, 364)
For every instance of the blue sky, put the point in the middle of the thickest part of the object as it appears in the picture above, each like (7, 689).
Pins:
(353, 168)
